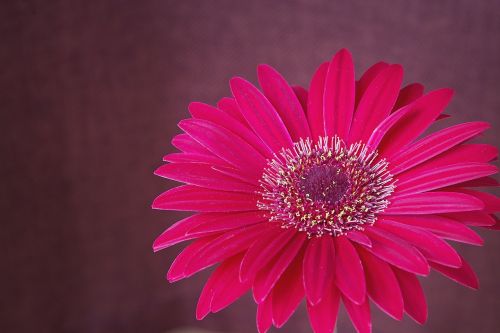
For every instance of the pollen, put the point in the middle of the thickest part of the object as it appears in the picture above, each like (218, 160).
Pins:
(326, 188)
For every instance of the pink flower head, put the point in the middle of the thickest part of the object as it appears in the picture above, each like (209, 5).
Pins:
(329, 195)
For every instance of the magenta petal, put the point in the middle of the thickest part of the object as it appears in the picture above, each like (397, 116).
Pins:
(339, 95)
(349, 274)
(217, 222)
(323, 315)
(413, 295)
(376, 103)
(284, 100)
(302, 95)
(263, 251)
(491, 201)
(229, 106)
(260, 114)
(396, 251)
(441, 226)
(434, 144)
(425, 110)
(366, 79)
(359, 314)
(315, 102)
(409, 94)
(288, 292)
(228, 244)
(378, 133)
(211, 159)
(481, 182)
(431, 246)
(359, 237)
(433, 202)
(463, 275)
(225, 144)
(431, 179)
(265, 314)
(476, 219)
(193, 198)
(187, 144)
(382, 285)
(319, 259)
(203, 175)
(216, 116)
(269, 275)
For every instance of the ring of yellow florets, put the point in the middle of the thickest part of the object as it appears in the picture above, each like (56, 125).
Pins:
(325, 188)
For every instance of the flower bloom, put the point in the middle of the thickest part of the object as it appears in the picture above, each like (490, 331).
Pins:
(330, 194)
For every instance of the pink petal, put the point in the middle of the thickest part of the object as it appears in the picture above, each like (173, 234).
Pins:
(265, 314)
(463, 275)
(434, 144)
(413, 295)
(229, 106)
(225, 144)
(323, 315)
(178, 267)
(359, 314)
(433, 202)
(491, 201)
(379, 132)
(260, 114)
(217, 222)
(349, 274)
(315, 102)
(382, 285)
(301, 94)
(216, 116)
(203, 175)
(284, 100)
(396, 251)
(185, 143)
(288, 292)
(430, 179)
(339, 95)
(359, 237)
(195, 158)
(367, 78)
(269, 275)
(425, 110)
(376, 103)
(409, 94)
(318, 267)
(441, 226)
(432, 247)
(476, 219)
(192, 198)
(263, 251)
(228, 244)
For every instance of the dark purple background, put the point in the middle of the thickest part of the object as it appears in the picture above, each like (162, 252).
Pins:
(90, 94)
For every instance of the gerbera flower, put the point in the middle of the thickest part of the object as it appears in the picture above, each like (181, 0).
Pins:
(329, 195)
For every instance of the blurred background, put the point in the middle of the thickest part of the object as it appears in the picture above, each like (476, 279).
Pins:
(90, 95)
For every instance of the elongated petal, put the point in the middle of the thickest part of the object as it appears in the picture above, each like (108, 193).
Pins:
(315, 102)
(349, 274)
(193, 198)
(441, 226)
(463, 275)
(408, 94)
(359, 237)
(187, 144)
(318, 269)
(378, 133)
(302, 95)
(339, 95)
(225, 144)
(265, 314)
(434, 144)
(260, 115)
(268, 276)
(288, 292)
(376, 103)
(210, 159)
(413, 295)
(323, 315)
(476, 219)
(491, 202)
(382, 285)
(203, 175)
(367, 78)
(425, 110)
(217, 222)
(396, 251)
(263, 251)
(359, 314)
(431, 179)
(221, 118)
(284, 100)
(433, 202)
(431, 246)
(229, 106)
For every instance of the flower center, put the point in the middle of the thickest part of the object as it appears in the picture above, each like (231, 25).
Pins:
(325, 188)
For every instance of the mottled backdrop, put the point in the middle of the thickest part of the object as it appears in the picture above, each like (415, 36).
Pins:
(90, 94)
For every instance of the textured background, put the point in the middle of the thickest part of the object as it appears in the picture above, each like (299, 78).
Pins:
(90, 94)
